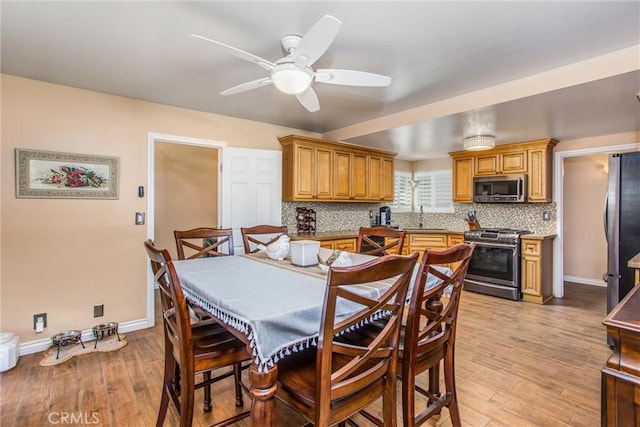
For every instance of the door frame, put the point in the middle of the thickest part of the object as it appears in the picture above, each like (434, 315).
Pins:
(152, 139)
(558, 194)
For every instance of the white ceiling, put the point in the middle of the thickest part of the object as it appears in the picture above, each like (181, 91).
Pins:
(524, 70)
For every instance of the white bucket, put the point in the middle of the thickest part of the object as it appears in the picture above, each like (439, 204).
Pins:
(8, 351)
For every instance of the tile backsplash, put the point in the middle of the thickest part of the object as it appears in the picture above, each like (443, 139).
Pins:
(351, 216)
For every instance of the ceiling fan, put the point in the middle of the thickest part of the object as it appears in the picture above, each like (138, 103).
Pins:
(293, 74)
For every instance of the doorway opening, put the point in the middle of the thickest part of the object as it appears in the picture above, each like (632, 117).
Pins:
(182, 172)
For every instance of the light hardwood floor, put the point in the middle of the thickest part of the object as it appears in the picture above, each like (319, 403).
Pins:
(518, 364)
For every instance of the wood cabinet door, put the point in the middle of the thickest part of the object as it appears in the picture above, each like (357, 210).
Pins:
(463, 179)
(539, 177)
(388, 180)
(513, 162)
(304, 173)
(375, 178)
(348, 245)
(486, 164)
(324, 173)
(342, 175)
(359, 177)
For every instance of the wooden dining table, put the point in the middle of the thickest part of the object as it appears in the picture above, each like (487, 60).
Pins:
(272, 306)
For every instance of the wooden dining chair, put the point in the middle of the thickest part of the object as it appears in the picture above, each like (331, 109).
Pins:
(267, 233)
(369, 245)
(429, 335)
(329, 383)
(195, 350)
(204, 241)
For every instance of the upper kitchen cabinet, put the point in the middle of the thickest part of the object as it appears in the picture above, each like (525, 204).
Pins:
(462, 178)
(307, 171)
(315, 169)
(504, 163)
(533, 158)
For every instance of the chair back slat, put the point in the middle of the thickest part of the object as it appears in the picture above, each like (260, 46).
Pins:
(367, 362)
(373, 247)
(261, 235)
(208, 242)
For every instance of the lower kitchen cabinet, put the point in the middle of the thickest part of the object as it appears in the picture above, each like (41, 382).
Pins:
(537, 269)
(452, 240)
(405, 245)
(348, 245)
(421, 241)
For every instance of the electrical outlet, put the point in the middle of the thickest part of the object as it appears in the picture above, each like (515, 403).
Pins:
(98, 310)
(546, 216)
(39, 322)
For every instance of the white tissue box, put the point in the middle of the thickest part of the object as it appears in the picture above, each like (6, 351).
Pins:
(304, 253)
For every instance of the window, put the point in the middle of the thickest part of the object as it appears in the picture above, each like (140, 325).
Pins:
(433, 191)
(401, 192)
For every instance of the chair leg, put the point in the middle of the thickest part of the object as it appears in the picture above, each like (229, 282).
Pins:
(408, 400)
(167, 382)
(389, 418)
(237, 377)
(207, 392)
(434, 382)
(450, 384)
(186, 400)
(164, 405)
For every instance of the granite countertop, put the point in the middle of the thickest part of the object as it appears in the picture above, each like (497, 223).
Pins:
(634, 262)
(536, 236)
(352, 234)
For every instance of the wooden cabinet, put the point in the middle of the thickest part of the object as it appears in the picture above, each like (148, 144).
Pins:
(509, 162)
(621, 376)
(348, 245)
(381, 179)
(540, 165)
(405, 245)
(533, 158)
(536, 269)
(462, 173)
(452, 240)
(314, 169)
(309, 171)
(421, 241)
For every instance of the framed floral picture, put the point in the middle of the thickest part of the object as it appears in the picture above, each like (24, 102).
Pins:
(53, 175)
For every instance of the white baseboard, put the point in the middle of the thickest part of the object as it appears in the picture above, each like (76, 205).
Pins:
(36, 346)
(585, 281)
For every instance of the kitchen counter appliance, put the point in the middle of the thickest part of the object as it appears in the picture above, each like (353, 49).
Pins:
(494, 268)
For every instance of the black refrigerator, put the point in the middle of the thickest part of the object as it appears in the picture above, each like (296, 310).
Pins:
(622, 224)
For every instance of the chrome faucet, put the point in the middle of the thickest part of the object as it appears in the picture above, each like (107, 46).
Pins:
(421, 223)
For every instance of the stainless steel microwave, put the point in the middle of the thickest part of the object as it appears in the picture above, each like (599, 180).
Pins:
(500, 189)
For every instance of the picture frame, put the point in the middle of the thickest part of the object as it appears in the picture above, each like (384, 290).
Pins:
(56, 175)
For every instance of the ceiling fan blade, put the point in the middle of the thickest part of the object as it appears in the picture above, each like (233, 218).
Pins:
(267, 65)
(317, 40)
(244, 87)
(351, 78)
(309, 100)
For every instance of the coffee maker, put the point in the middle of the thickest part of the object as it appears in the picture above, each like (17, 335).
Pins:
(385, 216)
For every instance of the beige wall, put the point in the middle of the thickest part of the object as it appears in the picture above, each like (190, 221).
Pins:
(63, 256)
(584, 188)
(186, 190)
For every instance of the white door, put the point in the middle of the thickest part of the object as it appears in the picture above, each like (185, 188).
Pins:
(251, 192)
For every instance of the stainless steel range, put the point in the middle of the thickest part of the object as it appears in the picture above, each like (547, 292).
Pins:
(495, 266)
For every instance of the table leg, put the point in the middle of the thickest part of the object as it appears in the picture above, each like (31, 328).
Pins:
(263, 390)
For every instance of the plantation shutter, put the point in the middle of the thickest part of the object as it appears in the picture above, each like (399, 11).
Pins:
(401, 192)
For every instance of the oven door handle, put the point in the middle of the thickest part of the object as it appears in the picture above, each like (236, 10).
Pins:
(493, 245)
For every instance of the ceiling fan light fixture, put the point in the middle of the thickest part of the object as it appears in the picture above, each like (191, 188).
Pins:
(479, 142)
(291, 79)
